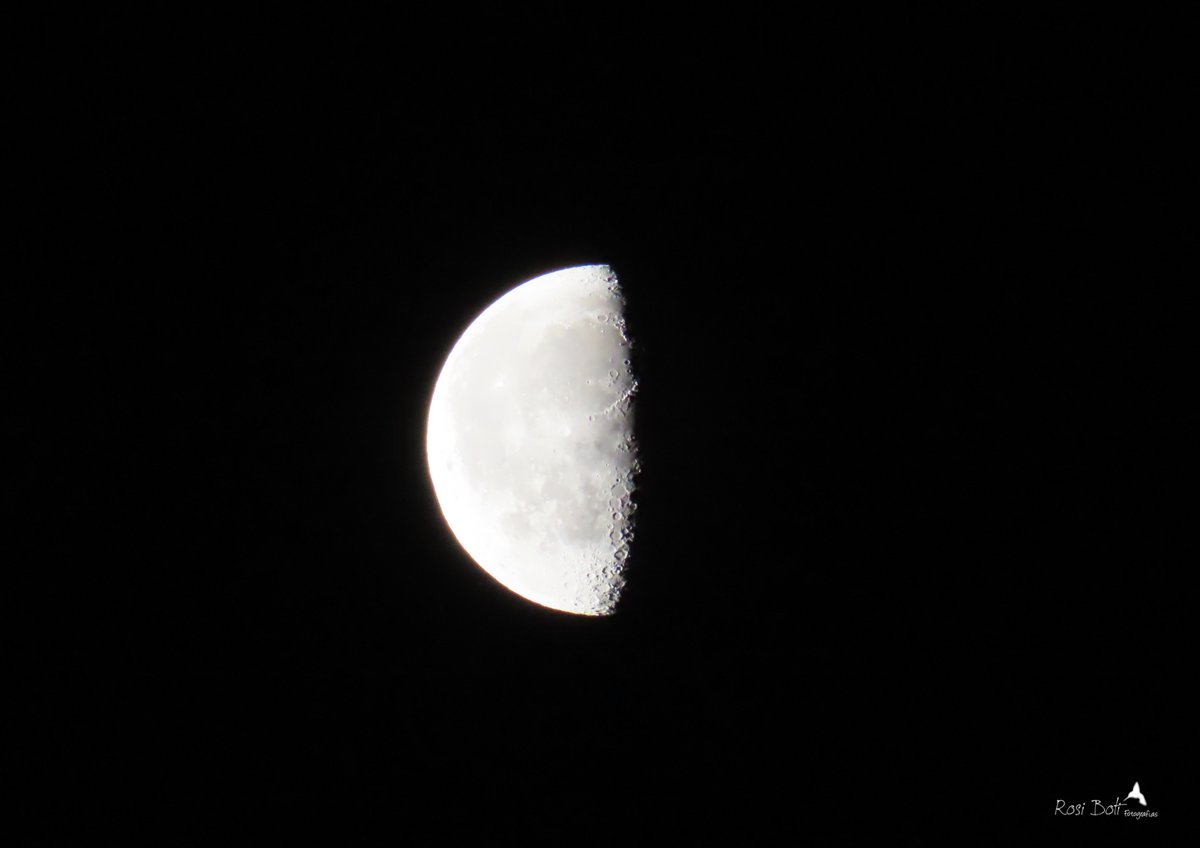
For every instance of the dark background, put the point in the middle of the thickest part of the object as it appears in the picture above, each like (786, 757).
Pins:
(916, 416)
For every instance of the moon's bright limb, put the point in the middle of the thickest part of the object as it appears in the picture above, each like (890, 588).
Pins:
(530, 440)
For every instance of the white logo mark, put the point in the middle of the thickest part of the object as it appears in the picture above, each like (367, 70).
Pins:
(1137, 793)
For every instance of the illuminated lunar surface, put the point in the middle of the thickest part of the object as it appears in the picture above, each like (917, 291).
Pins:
(530, 440)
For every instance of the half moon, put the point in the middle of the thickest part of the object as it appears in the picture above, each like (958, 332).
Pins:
(530, 440)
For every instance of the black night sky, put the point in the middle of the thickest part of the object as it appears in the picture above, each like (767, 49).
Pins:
(916, 422)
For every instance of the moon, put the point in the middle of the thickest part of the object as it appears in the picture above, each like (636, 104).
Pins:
(530, 440)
